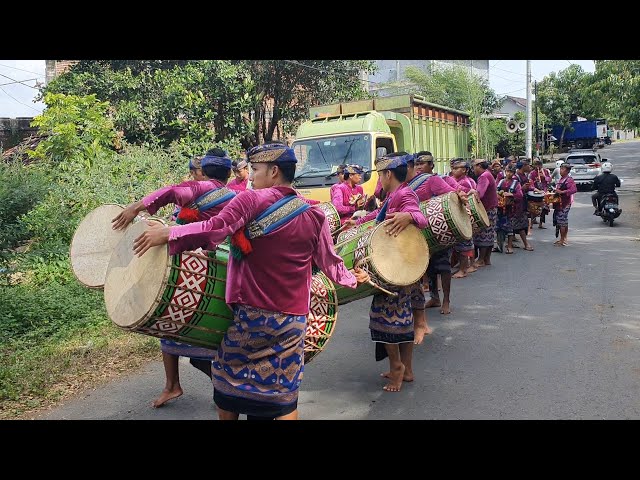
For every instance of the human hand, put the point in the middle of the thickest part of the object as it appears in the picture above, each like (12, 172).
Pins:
(156, 235)
(399, 221)
(124, 218)
(361, 276)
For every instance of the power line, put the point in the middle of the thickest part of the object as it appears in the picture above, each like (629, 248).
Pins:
(21, 69)
(18, 81)
(509, 71)
(507, 93)
(14, 98)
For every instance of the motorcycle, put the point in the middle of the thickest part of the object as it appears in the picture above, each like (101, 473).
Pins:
(609, 208)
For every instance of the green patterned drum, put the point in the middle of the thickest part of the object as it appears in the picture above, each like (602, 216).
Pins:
(182, 297)
(333, 217)
(477, 214)
(449, 222)
(392, 262)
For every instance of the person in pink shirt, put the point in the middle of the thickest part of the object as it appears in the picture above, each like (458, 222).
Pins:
(259, 364)
(540, 178)
(486, 188)
(241, 172)
(349, 196)
(391, 317)
(199, 200)
(463, 251)
(511, 190)
(566, 187)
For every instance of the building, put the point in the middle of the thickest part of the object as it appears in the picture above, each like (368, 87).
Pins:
(393, 71)
(53, 68)
(510, 106)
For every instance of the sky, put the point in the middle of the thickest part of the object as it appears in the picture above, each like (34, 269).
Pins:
(506, 77)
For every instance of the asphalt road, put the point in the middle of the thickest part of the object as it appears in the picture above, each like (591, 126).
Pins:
(549, 334)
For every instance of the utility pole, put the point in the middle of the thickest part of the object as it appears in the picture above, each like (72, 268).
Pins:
(538, 141)
(528, 119)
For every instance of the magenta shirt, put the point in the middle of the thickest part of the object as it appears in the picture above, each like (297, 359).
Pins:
(541, 183)
(434, 186)
(452, 182)
(238, 186)
(183, 195)
(487, 190)
(403, 199)
(276, 276)
(340, 199)
(518, 204)
(566, 196)
(466, 183)
(500, 176)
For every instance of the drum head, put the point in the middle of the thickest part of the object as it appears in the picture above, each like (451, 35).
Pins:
(400, 260)
(133, 285)
(480, 210)
(460, 216)
(92, 245)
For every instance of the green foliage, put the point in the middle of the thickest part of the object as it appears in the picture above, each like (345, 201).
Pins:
(20, 189)
(456, 87)
(285, 89)
(614, 92)
(192, 103)
(78, 130)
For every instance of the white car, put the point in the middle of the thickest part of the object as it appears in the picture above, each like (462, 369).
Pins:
(585, 166)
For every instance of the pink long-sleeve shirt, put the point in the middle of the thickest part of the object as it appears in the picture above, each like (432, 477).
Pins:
(183, 195)
(518, 195)
(566, 196)
(486, 188)
(340, 198)
(433, 186)
(452, 182)
(276, 275)
(542, 182)
(466, 183)
(238, 185)
(403, 199)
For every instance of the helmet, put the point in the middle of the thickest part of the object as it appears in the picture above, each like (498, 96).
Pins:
(607, 167)
(558, 163)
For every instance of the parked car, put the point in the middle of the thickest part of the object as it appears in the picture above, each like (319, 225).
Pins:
(586, 166)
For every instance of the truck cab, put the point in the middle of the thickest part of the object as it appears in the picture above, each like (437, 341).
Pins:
(359, 132)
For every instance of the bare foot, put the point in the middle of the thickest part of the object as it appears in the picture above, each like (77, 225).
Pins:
(479, 264)
(395, 378)
(420, 331)
(471, 269)
(445, 310)
(165, 396)
(459, 274)
(432, 303)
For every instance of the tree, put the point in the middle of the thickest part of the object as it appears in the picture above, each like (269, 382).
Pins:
(190, 103)
(456, 87)
(559, 96)
(285, 89)
(614, 92)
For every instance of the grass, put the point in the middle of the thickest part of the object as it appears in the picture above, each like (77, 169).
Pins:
(56, 340)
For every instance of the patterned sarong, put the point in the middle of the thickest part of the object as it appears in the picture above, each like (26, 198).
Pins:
(520, 222)
(562, 216)
(183, 350)
(486, 236)
(260, 362)
(390, 318)
(417, 296)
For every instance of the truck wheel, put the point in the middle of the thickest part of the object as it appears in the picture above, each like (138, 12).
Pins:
(579, 144)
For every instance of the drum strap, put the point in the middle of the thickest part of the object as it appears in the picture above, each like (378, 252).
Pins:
(512, 187)
(277, 215)
(213, 198)
(419, 180)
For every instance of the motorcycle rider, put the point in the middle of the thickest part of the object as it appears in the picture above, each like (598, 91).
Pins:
(604, 183)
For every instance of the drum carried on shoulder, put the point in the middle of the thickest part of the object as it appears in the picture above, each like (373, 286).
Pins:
(477, 214)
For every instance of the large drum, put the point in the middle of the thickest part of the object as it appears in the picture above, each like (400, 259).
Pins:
(93, 242)
(477, 214)
(449, 222)
(333, 217)
(391, 262)
(182, 297)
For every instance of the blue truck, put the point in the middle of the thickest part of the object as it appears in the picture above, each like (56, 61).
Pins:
(581, 134)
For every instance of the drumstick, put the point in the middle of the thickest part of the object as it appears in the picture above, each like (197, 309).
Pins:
(373, 284)
(340, 229)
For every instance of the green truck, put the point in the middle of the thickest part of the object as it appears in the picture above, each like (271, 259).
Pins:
(358, 132)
